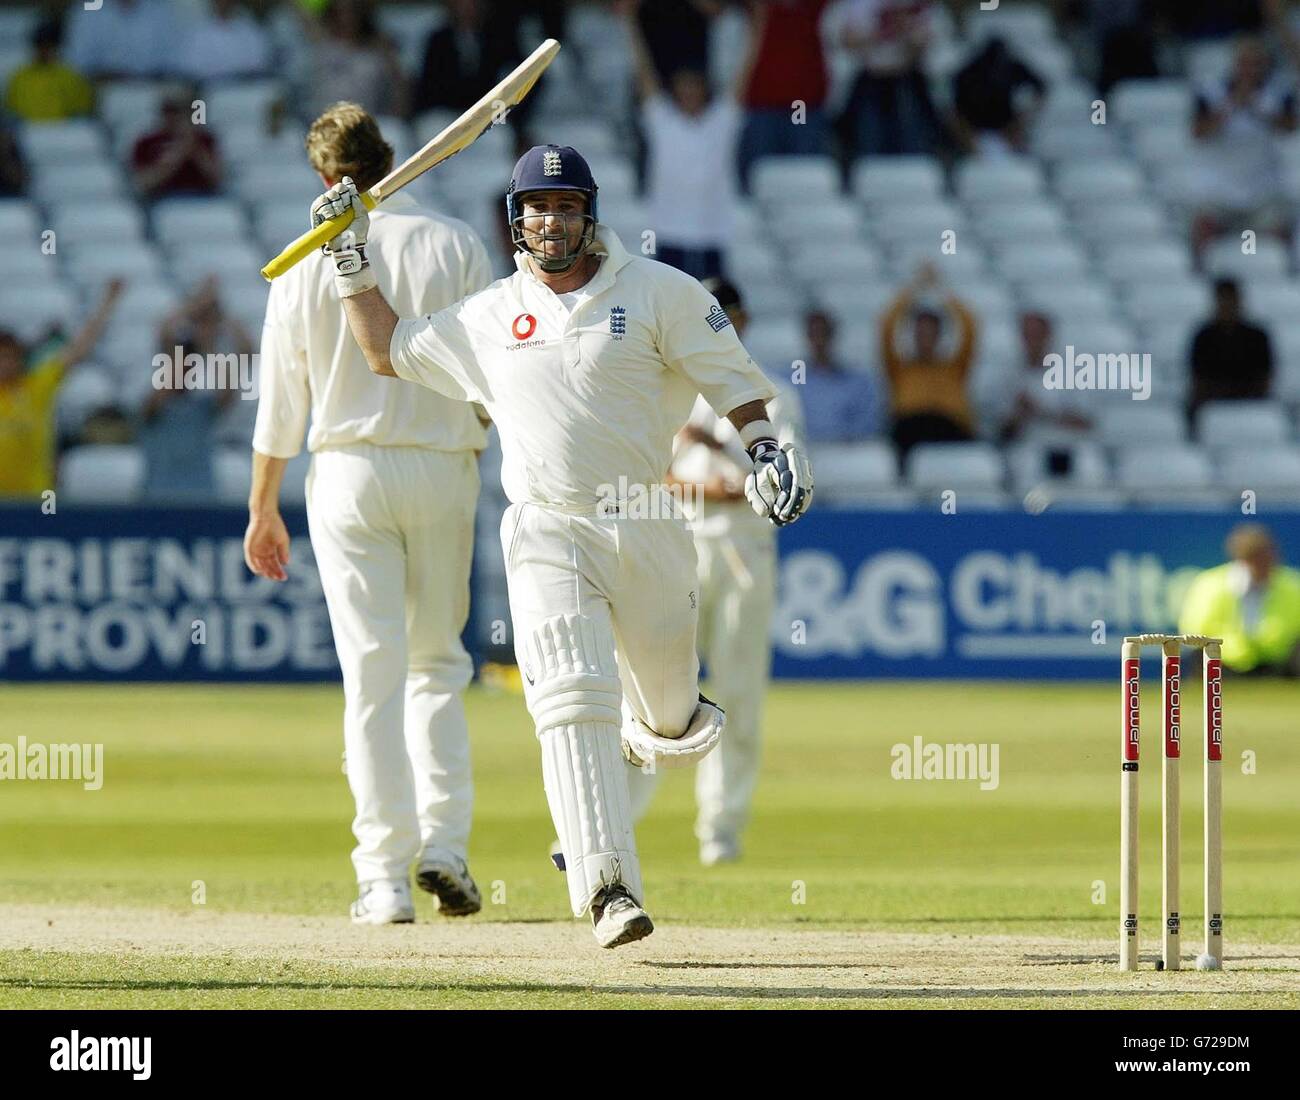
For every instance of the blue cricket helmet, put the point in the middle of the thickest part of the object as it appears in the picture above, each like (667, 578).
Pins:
(552, 168)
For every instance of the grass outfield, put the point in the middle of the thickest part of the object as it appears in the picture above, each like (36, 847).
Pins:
(855, 885)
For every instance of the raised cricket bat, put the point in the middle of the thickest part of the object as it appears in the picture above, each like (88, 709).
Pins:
(459, 135)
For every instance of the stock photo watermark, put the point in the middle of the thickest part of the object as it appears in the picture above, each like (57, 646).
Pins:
(29, 761)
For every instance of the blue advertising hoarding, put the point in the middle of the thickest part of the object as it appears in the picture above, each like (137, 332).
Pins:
(154, 594)
(163, 594)
(1005, 595)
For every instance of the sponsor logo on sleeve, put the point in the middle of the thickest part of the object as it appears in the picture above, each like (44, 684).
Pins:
(717, 318)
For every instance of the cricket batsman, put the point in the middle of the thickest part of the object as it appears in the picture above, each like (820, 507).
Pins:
(737, 575)
(588, 359)
(390, 504)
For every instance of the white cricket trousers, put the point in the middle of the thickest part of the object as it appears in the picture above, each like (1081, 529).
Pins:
(737, 598)
(737, 577)
(604, 611)
(392, 529)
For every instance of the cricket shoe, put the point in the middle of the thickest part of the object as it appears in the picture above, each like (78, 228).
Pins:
(448, 879)
(719, 850)
(383, 901)
(617, 919)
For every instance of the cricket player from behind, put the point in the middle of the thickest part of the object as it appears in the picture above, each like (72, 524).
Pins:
(588, 359)
(390, 505)
(737, 572)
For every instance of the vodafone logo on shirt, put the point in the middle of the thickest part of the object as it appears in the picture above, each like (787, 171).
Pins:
(525, 325)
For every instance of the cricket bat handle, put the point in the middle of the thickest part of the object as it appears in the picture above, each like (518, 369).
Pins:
(313, 239)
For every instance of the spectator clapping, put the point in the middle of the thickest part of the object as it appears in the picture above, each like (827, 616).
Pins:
(928, 365)
(177, 427)
(180, 157)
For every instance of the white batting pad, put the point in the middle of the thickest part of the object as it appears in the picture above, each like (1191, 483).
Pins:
(570, 666)
(575, 697)
(586, 788)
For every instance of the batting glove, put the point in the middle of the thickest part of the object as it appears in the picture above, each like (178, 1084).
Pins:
(352, 274)
(781, 484)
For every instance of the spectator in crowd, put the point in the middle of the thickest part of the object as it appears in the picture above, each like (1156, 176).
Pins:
(1125, 38)
(465, 57)
(47, 89)
(551, 14)
(27, 397)
(1034, 405)
(124, 38)
(789, 67)
(1285, 27)
(995, 95)
(1252, 603)
(177, 426)
(227, 43)
(350, 60)
(929, 367)
(180, 157)
(889, 110)
(1231, 358)
(691, 137)
(840, 405)
(1238, 183)
(1210, 20)
(676, 34)
(13, 169)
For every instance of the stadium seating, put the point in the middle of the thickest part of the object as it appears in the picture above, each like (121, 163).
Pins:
(1270, 471)
(102, 474)
(1242, 424)
(863, 474)
(1168, 473)
(1090, 227)
(956, 466)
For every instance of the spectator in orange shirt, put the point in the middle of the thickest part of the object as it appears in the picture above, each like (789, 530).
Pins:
(27, 398)
(180, 157)
(928, 368)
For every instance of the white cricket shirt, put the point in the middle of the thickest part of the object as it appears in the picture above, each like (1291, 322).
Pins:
(310, 362)
(584, 398)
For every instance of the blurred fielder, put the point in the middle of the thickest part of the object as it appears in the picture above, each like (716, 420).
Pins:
(390, 502)
(588, 359)
(737, 570)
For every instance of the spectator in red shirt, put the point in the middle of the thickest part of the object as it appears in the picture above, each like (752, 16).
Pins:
(789, 67)
(180, 157)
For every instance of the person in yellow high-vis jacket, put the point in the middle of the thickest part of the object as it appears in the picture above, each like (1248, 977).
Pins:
(27, 402)
(1252, 603)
